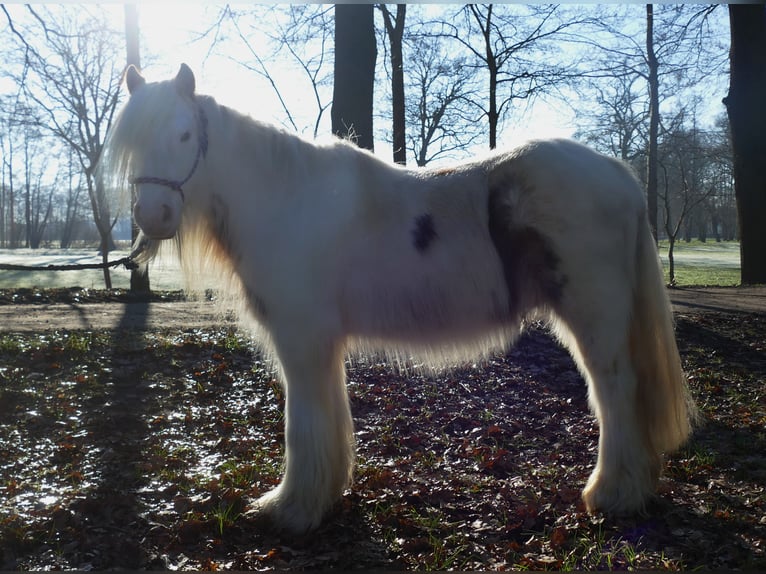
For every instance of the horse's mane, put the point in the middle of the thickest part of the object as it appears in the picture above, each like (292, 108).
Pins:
(132, 126)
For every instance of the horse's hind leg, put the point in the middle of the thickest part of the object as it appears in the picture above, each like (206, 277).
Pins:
(319, 438)
(594, 324)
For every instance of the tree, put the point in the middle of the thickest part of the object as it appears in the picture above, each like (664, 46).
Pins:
(723, 203)
(674, 44)
(682, 159)
(73, 80)
(745, 107)
(354, 79)
(139, 278)
(439, 90)
(71, 203)
(515, 46)
(653, 82)
(304, 32)
(38, 202)
(8, 137)
(616, 126)
(395, 32)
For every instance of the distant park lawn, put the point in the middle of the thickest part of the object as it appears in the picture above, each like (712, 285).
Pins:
(697, 263)
(710, 263)
(164, 274)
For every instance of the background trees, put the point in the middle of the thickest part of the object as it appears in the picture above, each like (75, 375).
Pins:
(441, 118)
(70, 76)
(454, 81)
(520, 48)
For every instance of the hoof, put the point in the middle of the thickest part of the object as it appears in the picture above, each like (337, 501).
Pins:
(286, 513)
(618, 496)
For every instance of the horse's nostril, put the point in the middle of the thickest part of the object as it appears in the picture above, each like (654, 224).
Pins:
(166, 214)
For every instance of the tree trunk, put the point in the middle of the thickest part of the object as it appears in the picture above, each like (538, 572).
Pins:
(139, 278)
(671, 261)
(101, 217)
(27, 196)
(490, 58)
(492, 115)
(747, 118)
(654, 121)
(11, 202)
(355, 54)
(395, 32)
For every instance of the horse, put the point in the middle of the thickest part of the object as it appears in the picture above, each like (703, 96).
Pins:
(332, 250)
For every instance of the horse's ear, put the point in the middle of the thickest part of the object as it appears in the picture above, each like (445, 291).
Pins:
(185, 81)
(133, 78)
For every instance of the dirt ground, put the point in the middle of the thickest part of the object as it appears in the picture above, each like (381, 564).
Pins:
(80, 314)
(145, 448)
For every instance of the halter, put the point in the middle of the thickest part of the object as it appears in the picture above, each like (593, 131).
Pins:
(177, 185)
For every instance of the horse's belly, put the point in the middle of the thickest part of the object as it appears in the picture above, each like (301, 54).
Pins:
(451, 293)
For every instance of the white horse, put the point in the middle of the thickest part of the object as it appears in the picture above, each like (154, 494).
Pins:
(332, 248)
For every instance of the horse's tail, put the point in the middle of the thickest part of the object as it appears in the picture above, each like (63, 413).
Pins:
(666, 411)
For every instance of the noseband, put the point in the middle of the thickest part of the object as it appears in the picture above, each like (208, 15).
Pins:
(177, 185)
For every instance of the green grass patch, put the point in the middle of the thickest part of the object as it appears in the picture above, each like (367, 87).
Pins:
(696, 263)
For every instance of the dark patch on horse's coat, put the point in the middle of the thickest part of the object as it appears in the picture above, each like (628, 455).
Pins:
(256, 304)
(424, 232)
(219, 225)
(530, 264)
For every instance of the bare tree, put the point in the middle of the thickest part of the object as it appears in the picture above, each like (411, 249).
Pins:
(723, 203)
(440, 87)
(671, 54)
(516, 46)
(683, 155)
(303, 33)
(73, 80)
(9, 128)
(653, 82)
(616, 125)
(394, 26)
(71, 202)
(38, 199)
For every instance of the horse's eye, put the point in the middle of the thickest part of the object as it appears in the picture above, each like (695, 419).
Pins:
(185, 136)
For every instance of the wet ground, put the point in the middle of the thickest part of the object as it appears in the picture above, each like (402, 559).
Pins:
(126, 447)
(32, 310)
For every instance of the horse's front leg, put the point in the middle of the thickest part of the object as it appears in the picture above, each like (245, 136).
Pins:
(319, 434)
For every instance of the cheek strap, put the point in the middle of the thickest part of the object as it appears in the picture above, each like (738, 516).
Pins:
(177, 185)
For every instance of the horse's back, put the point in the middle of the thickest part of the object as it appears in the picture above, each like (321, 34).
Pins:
(563, 175)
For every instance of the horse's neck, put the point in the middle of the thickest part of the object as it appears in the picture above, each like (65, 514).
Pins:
(254, 154)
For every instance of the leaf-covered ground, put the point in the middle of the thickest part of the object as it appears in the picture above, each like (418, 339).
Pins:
(146, 450)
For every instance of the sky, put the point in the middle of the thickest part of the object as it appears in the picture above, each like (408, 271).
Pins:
(167, 30)
(167, 33)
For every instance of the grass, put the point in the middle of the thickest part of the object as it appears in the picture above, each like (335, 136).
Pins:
(710, 263)
(164, 273)
(697, 263)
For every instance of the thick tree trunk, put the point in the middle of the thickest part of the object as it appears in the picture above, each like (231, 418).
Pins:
(355, 54)
(747, 118)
